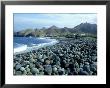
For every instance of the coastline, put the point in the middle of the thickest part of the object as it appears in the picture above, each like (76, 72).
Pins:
(25, 48)
(67, 57)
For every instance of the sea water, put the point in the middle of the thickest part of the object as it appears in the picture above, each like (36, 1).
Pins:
(21, 44)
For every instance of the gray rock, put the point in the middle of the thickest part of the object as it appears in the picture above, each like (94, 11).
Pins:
(86, 68)
(93, 67)
(35, 71)
(86, 63)
(32, 65)
(67, 65)
(22, 68)
(47, 62)
(81, 65)
(48, 69)
(61, 55)
(37, 64)
(81, 72)
(18, 66)
(41, 73)
(51, 61)
(40, 56)
(41, 68)
(27, 66)
(76, 65)
(54, 69)
(44, 56)
(27, 69)
(42, 60)
(34, 56)
(27, 62)
(29, 73)
(18, 73)
(24, 72)
(58, 63)
(90, 72)
(61, 71)
(94, 58)
(57, 58)
(32, 60)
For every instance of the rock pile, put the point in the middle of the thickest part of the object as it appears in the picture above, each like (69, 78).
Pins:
(68, 57)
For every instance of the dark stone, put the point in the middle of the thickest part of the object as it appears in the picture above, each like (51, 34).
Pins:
(81, 72)
(71, 66)
(48, 69)
(37, 64)
(61, 71)
(94, 58)
(86, 68)
(93, 67)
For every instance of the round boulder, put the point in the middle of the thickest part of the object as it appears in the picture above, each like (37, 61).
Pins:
(35, 71)
(18, 66)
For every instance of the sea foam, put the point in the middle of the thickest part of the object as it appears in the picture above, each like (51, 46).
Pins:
(20, 47)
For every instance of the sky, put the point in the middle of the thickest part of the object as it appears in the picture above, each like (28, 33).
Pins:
(24, 21)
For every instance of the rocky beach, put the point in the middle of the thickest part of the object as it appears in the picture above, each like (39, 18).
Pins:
(70, 56)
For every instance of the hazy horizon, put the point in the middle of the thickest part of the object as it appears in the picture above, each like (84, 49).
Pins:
(24, 21)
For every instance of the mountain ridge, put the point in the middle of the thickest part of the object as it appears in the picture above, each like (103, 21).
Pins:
(56, 31)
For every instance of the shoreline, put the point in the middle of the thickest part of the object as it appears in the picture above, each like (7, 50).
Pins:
(67, 57)
(25, 48)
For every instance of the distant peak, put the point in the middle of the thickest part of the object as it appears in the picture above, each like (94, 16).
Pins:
(65, 27)
(43, 27)
(54, 27)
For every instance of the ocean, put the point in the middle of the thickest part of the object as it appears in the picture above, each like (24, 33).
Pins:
(25, 44)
